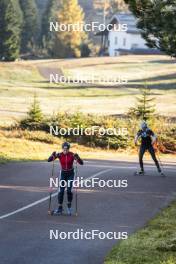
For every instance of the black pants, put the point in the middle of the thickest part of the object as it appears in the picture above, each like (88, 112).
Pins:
(151, 150)
(66, 178)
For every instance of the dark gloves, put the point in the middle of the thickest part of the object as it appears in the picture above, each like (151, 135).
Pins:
(54, 154)
(76, 156)
(79, 160)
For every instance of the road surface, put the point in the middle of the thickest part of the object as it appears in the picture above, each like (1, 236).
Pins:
(25, 226)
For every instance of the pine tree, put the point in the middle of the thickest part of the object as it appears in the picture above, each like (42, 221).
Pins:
(10, 29)
(47, 37)
(145, 108)
(18, 13)
(157, 21)
(68, 43)
(30, 26)
(35, 114)
(34, 118)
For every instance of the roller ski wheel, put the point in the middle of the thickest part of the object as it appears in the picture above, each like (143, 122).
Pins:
(69, 211)
(162, 174)
(57, 212)
(139, 173)
(49, 212)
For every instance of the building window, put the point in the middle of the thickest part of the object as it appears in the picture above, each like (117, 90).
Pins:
(124, 42)
(134, 46)
(116, 40)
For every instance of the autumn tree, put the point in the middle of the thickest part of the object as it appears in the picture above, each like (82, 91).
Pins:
(68, 43)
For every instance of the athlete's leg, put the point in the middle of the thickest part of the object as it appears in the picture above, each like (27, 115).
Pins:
(152, 153)
(141, 154)
(62, 189)
(69, 188)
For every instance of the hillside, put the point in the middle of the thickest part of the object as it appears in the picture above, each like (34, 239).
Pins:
(21, 80)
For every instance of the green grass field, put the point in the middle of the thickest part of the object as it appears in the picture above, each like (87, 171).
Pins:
(19, 81)
(154, 244)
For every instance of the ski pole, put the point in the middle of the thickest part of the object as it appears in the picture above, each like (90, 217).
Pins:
(161, 164)
(138, 167)
(76, 189)
(50, 191)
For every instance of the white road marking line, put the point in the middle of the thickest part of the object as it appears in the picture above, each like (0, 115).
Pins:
(26, 207)
(150, 167)
(97, 174)
(46, 198)
(96, 164)
(24, 188)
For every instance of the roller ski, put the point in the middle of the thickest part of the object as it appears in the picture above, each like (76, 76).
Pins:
(57, 212)
(69, 211)
(60, 211)
(139, 173)
(161, 173)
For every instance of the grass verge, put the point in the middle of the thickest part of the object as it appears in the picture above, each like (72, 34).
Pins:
(21, 145)
(154, 244)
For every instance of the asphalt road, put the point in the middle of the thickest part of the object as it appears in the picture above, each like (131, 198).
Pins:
(25, 226)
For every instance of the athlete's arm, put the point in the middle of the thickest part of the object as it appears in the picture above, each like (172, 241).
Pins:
(78, 159)
(136, 138)
(153, 137)
(53, 156)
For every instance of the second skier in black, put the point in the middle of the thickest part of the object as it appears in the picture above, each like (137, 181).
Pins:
(148, 138)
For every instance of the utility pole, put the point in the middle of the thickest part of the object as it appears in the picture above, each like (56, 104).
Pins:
(104, 11)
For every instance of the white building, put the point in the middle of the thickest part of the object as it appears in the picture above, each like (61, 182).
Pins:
(115, 42)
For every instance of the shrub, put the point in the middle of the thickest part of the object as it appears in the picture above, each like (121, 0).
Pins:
(163, 127)
(34, 119)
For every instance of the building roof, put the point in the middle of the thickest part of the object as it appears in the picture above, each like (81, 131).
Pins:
(126, 18)
(123, 18)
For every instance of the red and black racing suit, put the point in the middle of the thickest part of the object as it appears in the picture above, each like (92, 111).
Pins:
(67, 173)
